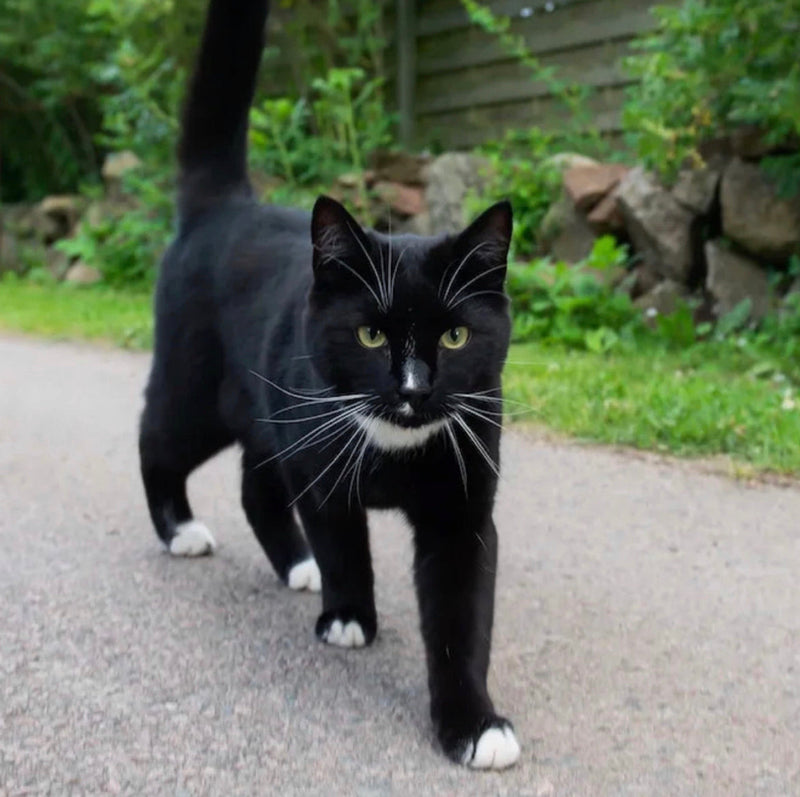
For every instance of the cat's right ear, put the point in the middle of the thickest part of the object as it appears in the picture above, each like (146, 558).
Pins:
(334, 232)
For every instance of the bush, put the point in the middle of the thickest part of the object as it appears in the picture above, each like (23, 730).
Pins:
(709, 67)
(574, 305)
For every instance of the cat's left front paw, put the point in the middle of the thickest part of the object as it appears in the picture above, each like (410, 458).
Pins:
(346, 628)
(496, 748)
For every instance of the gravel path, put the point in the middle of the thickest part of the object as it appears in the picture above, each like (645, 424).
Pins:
(647, 632)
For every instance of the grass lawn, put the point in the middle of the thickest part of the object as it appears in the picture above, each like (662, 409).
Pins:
(704, 401)
(77, 313)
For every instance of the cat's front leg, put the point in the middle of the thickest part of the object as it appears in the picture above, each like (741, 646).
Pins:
(340, 541)
(455, 562)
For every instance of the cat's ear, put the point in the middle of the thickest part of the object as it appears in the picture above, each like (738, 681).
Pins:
(481, 251)
(335, 234)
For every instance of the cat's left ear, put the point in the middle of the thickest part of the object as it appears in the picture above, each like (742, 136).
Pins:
(482, 249)
(335, 234)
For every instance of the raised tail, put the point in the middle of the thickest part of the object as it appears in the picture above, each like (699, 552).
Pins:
(212, 153)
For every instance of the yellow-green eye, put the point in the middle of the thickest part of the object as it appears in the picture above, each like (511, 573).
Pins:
(455, 338)
(371, 337)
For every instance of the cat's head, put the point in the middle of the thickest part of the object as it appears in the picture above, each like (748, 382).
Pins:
(415, 324)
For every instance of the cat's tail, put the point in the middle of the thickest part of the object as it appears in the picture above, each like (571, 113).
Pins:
(212, 152)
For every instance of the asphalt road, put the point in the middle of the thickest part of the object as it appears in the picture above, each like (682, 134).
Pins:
(647, 634)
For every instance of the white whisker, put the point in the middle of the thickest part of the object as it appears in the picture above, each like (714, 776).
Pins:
(475, 279)
(473, 295)
(396, 269)
(345, 468)
(384, 305)
(476, 441)
(459, 267)
(478, 414)
(462, 469)
(358, 276)
(346, 397)
(327, 467)
(317, 434)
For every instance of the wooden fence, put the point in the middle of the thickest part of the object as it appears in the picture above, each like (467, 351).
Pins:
(456, 85)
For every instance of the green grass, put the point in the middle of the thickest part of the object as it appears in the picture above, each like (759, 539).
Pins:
(77, 313)
(704, 401)
(708, 400)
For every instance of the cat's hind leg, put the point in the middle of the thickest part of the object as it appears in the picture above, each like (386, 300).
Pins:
(172, 443)
(266, 503)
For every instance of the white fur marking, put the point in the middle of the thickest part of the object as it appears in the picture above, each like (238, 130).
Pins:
(305, 575)
(497, 748)
(405, 409)
(192, 538)
(409, 379)
(345, 636)
(390, 437)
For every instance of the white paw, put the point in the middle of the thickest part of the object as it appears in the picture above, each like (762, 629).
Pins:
(347, 635)
(192, 538)
(497, 748)
(305, 575)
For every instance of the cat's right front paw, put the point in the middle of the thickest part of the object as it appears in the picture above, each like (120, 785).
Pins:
(490, 744)
(346, 628)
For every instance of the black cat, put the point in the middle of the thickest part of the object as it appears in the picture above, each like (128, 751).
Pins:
(355, 369)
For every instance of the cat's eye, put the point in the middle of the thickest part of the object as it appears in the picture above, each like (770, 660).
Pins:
(371, 337)
(455, 338)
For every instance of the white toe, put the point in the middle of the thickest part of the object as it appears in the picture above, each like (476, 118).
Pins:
(497, 748)
(349, 635)
(192, 538)
(305, 575)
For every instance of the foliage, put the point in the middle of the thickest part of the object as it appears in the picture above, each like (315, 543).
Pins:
(126, 246)
(573, 305)
(307, 141)
(79, 78)
(709, 67)
(72, 73)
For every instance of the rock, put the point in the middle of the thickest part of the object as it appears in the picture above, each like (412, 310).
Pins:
(606, 217)
(562, 161)
(450, 178)
(662, 299)
(587, 185)
(57, 262)
(732, 278)
(406, 200)
(754, 216)
(60, 215)
(350, 179)
(117, 164)
(696, 189)
(399, 167)
(9, 253)
(643, 279)
(564, 232)
(415, 225)
(19, 219)
(81, 274)
(658, 226)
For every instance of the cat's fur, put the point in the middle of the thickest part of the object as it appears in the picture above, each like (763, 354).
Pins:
(257, 309)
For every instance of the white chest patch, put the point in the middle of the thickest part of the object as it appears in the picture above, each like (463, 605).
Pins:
(390, 437)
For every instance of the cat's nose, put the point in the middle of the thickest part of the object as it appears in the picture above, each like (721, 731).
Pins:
(415, 386)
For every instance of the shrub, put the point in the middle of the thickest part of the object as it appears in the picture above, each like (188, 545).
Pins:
(573, 305)
(709, 67)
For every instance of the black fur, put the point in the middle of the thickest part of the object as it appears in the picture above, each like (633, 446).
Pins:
(256, 315)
